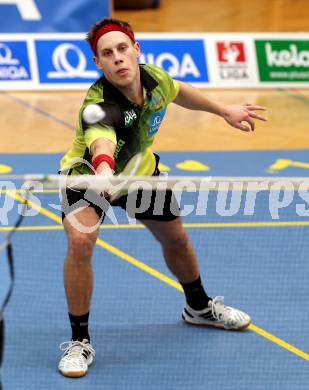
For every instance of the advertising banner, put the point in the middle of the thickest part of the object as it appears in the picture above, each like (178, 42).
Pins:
(21, 16)
(68, 61)
(184, 59)
(232, 61)
(14, 61)
(65, 62)
(283, 60)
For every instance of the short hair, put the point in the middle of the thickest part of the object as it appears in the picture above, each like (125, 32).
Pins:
(103, 22)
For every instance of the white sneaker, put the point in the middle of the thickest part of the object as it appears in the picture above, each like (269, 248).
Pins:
(77, 357)
(217, 315)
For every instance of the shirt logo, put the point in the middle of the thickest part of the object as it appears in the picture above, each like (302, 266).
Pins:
(129, 117)
(119, 146)
(155, 121)
(156, 102)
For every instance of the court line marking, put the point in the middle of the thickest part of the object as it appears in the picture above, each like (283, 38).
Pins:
(20, 190)
(36, 109)
(166, 279)
(31, 228)
(197, 190)
(279, 341)
(186, 225)
(294, 93)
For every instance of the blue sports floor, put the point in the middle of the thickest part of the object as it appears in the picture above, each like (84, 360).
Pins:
(258, 263)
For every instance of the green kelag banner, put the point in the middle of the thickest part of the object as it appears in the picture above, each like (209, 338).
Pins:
(283, 60)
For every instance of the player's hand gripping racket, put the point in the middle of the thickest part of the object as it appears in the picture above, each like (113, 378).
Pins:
(129, 171)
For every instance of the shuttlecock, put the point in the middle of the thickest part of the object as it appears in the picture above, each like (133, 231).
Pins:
(93, 114)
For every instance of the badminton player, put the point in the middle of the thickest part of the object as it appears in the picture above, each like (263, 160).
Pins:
(119, 119)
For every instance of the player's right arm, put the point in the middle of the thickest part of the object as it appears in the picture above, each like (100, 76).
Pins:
(103, 146)
(100, 136)
(101, 141)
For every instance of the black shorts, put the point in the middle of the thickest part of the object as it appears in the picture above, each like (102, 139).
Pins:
(160, 205)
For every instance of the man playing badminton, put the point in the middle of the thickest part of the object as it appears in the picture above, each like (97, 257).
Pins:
(119, 119)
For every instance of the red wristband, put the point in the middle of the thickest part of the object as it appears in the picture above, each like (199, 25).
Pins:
(103, 157)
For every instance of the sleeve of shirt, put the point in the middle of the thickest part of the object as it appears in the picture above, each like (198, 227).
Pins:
(170, 86)
(175, 89)
(99, 131)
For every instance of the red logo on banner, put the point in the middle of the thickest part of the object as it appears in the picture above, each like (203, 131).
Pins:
(231, 52)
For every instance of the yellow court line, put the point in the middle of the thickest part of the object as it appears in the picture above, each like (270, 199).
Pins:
(246, 224)
(186, 225)
(20, 190)
(32, 228)
(130, 259)
(36, 207)
(279, 341)
(216, 224)
(139, 264)
(60, 227)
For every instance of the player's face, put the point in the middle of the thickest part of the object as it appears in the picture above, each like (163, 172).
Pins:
(117, 58)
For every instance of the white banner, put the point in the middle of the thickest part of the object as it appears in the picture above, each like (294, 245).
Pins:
(242, 60)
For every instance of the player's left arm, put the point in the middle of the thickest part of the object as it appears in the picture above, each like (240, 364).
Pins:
(233, 114)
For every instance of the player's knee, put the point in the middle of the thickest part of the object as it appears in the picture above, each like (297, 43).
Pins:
(81, 245)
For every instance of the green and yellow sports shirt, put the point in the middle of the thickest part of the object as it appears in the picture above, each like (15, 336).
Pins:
(131, 127)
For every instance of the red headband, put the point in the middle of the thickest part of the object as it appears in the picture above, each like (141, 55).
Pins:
(108, 28)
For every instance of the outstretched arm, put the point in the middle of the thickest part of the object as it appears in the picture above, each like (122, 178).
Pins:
(233, 114)
(103, 146)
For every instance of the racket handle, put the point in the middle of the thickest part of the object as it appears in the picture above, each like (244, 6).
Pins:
(1, 342)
